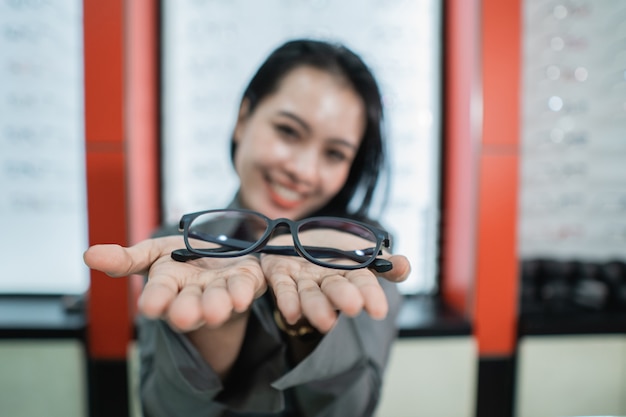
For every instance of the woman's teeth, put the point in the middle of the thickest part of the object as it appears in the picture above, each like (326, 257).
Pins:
(286, 193)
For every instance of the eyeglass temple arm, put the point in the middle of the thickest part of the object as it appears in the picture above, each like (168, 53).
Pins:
(184, 255)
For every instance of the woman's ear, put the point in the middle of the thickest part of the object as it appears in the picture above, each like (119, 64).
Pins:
(242, 117)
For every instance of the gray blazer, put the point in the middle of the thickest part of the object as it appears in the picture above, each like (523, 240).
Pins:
(342, 377)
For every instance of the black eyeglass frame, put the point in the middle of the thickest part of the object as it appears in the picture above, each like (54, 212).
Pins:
(260, 245)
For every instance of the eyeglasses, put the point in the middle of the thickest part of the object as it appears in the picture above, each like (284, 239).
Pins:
(331, 242)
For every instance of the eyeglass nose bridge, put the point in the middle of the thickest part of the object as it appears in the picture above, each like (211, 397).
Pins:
(292, 227)
(277, 224)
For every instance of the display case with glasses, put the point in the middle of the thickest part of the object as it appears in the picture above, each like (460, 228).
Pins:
(572, 190)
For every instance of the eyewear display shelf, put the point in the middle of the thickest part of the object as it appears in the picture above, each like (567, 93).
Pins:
(571, 364)
(433, 360)
(42, 316)
(43, 356)
(572, 297)
(428, 316)
(571, 356)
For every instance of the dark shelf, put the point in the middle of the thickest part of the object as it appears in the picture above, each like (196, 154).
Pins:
(42, 316)
(426, 316)
(575, 323)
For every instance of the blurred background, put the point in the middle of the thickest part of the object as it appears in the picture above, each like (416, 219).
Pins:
(507, 133)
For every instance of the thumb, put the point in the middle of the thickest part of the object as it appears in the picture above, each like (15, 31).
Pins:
(119, 261)
(400, 271)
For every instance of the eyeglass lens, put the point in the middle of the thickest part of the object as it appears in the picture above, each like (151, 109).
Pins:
(228, 232)
(359, 248)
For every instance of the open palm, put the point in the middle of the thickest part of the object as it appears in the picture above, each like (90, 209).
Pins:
(186, 294)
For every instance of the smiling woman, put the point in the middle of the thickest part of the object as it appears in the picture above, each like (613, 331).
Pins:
(207, 54)
(228, 331)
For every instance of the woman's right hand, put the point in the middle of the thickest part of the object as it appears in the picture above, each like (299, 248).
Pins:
(188, 295)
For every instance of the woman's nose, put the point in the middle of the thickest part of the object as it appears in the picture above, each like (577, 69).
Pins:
(304, 166)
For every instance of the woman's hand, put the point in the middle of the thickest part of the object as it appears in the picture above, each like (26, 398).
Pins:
(186, 294)
(303, 289)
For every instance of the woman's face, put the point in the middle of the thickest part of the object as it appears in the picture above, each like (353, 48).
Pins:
(294, 152)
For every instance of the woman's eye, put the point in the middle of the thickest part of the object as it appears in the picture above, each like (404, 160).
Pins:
(287, 132)
(337, 155)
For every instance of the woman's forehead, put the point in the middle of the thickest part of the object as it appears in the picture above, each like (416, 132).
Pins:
(319, 98)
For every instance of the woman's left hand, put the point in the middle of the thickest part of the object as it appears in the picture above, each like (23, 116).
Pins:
(303, 289)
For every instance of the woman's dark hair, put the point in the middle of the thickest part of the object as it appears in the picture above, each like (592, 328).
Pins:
(355, 198)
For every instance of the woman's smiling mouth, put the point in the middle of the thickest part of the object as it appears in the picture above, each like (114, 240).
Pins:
(284, 196)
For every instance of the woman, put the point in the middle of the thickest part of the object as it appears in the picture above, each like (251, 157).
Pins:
(214, 340)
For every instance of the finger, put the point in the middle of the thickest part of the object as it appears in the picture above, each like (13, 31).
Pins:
(185, 312)
(315, 306)
(244, 285)
(280, 274)
(156, 297)
(217, 306)
(287, 297)
(374, 298)
(118, 261)
(113, 260)
(241, 291)
(343, 294)
(400, 271)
